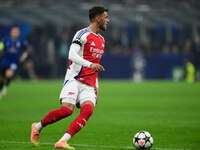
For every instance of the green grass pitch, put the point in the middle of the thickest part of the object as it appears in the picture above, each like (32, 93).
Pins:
(169, 111)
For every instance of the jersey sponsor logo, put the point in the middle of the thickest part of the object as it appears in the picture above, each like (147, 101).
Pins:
(96, 52)
(70, 93)
(93, 44)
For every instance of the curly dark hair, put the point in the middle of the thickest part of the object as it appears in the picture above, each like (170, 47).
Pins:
(96, 10)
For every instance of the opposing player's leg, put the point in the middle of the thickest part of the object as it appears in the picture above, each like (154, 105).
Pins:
(1, 82)
(2, 76)
(8, 75)
(1, 86)
(53, 116)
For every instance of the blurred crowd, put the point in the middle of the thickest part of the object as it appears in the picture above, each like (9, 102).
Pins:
(49, 45)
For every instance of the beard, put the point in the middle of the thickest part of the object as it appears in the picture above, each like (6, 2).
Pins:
(103, 28)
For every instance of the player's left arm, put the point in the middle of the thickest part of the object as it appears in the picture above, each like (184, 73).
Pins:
(25, 53)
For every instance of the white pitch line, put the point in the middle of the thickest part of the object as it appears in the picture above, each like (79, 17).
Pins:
(85, 145)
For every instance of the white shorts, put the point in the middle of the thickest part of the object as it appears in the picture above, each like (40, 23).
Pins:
(75, 91)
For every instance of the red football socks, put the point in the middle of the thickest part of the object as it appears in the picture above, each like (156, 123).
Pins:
(56, 115)
(80, 121)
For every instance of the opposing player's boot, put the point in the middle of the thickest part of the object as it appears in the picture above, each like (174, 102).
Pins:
(34, 135)
(63, 145)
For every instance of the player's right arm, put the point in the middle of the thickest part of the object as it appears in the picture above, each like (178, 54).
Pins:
(74, 56)
(25, 52)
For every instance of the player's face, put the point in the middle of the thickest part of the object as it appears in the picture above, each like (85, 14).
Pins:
(103, 21)
(14, 33)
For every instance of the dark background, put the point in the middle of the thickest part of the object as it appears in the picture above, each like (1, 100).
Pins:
(163, 33)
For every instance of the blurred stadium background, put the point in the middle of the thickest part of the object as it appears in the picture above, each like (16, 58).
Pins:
(146, 39)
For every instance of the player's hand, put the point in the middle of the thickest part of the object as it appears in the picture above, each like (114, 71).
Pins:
(21, 59)
(97, 94)
(97, 67)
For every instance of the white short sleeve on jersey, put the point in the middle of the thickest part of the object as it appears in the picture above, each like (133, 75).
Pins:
(80, 37)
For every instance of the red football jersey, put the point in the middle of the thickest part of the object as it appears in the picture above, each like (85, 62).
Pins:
(91, 49)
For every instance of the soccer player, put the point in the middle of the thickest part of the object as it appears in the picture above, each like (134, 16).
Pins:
(14, 51)
(81, 82)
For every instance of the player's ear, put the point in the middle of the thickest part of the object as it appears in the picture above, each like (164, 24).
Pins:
(98, 18)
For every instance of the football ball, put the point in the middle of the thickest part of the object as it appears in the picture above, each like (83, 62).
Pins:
(143, 140)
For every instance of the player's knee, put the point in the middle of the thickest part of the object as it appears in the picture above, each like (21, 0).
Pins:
(9, 74)
(67, 111)
(87, 109)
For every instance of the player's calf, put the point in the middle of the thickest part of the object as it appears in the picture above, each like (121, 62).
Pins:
(81, 120)
(75, 126)
(9, 73)
(51, 117)
(56, 115)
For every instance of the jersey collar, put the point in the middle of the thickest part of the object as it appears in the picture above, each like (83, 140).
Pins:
(93, 32)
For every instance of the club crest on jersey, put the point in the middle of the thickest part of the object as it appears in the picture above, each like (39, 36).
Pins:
(103, 45)
(93, 44)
